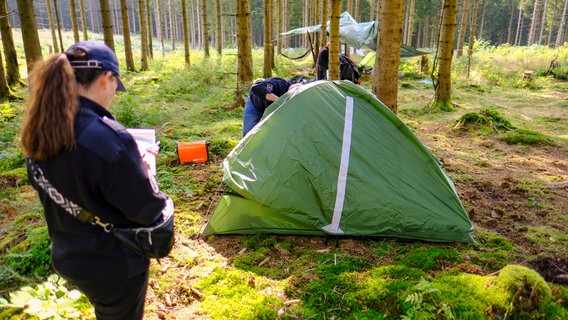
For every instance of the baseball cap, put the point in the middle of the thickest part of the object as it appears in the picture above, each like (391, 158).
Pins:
(98, 56)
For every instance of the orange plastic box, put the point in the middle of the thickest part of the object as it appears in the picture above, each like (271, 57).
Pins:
(196, 151)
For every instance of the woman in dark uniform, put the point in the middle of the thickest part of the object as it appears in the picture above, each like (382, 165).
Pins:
(262, 93)
(94, 162)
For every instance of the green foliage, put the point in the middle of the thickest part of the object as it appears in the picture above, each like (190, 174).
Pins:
(48, 300)
(235, 294)
(429, 258)
(486, 119)
(36, 261)
(421, 305)
(527, 137)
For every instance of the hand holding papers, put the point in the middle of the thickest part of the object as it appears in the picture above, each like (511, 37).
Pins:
(147, 146)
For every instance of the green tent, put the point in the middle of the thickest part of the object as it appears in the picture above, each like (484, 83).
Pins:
(329, 158)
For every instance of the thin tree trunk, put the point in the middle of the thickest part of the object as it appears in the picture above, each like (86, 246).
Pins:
(551, 24)
(52, 26)
(324, 17)
(172, 34)
(12, 68)
(482, 22)
(83, 20)
(126, 32)
(143, 35)
(4, 88)
(205, 28)
(463, 25)
(219, 24)
(56, 9)
(542, 21)
(30, 36)
(267, 69)
(471, 36)
(279, 26)
(387, 59)
(560, 34)
(73, 14)
(159, 26)
(443, 85)
(510, 28)
(107, 23)
(334, 45)
(185, 34)
(150, 32)
(244, 68)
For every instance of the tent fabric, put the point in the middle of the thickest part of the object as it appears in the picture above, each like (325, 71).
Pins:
(328, 158)
(358, 35)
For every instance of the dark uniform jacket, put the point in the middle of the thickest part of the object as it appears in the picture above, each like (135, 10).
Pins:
(105, 175)
(260, 89)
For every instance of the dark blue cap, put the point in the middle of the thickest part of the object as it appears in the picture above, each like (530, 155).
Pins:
(99, 56)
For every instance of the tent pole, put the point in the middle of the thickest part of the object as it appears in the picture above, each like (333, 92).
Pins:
(311, 47)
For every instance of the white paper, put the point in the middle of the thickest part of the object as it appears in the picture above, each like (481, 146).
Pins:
(145, 138)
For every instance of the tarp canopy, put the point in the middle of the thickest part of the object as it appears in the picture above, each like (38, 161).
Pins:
(329, 158)
(360, 35)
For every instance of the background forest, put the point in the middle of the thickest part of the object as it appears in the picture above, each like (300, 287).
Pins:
(504, 144)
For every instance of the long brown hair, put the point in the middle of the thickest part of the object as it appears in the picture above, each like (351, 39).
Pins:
(48, 128)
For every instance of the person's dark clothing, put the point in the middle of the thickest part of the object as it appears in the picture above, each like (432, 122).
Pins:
(256, 102)
(322, 64)
(117, 300)
(260, 89)
(105, 175)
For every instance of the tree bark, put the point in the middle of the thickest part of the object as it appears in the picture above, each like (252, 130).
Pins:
(324, 17)
(244, 42)
(159, 26)
(56, 9)
(74, 24)
(52, 26)
(279, 27)
(267, 69)
(126, 32)
(107, 23)
(83, 20)
(30, 36)
(185, 34)
(143, 35)
(12, 68)
(560, 34)
(463, 26)
(219, 24)
(205, 28)
(387, 59)
(334, 40)
(443, 83)
(150, 33)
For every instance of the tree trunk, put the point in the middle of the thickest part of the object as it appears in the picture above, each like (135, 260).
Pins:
(279, 26)
(552, 21)
(471, 36)
(205, 28)
(56, 8)
(172, 34)
(219, 24)
(143, 35)
(107, 23)
(83, 20)
(52, 26)
(244, 43)
(74, 24)
(126, 32)
(4, 88)
(560, 33)
(482, 22)
(150, 33)
(267, 70)
(463, 26)
(443, 85)
(185, 34)
(30, 36)
(324, 18)
(12, 68)
(510, 28)
(159, 26)
(534, 23)
(387, 59)
(350, 11)
(334, 40)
